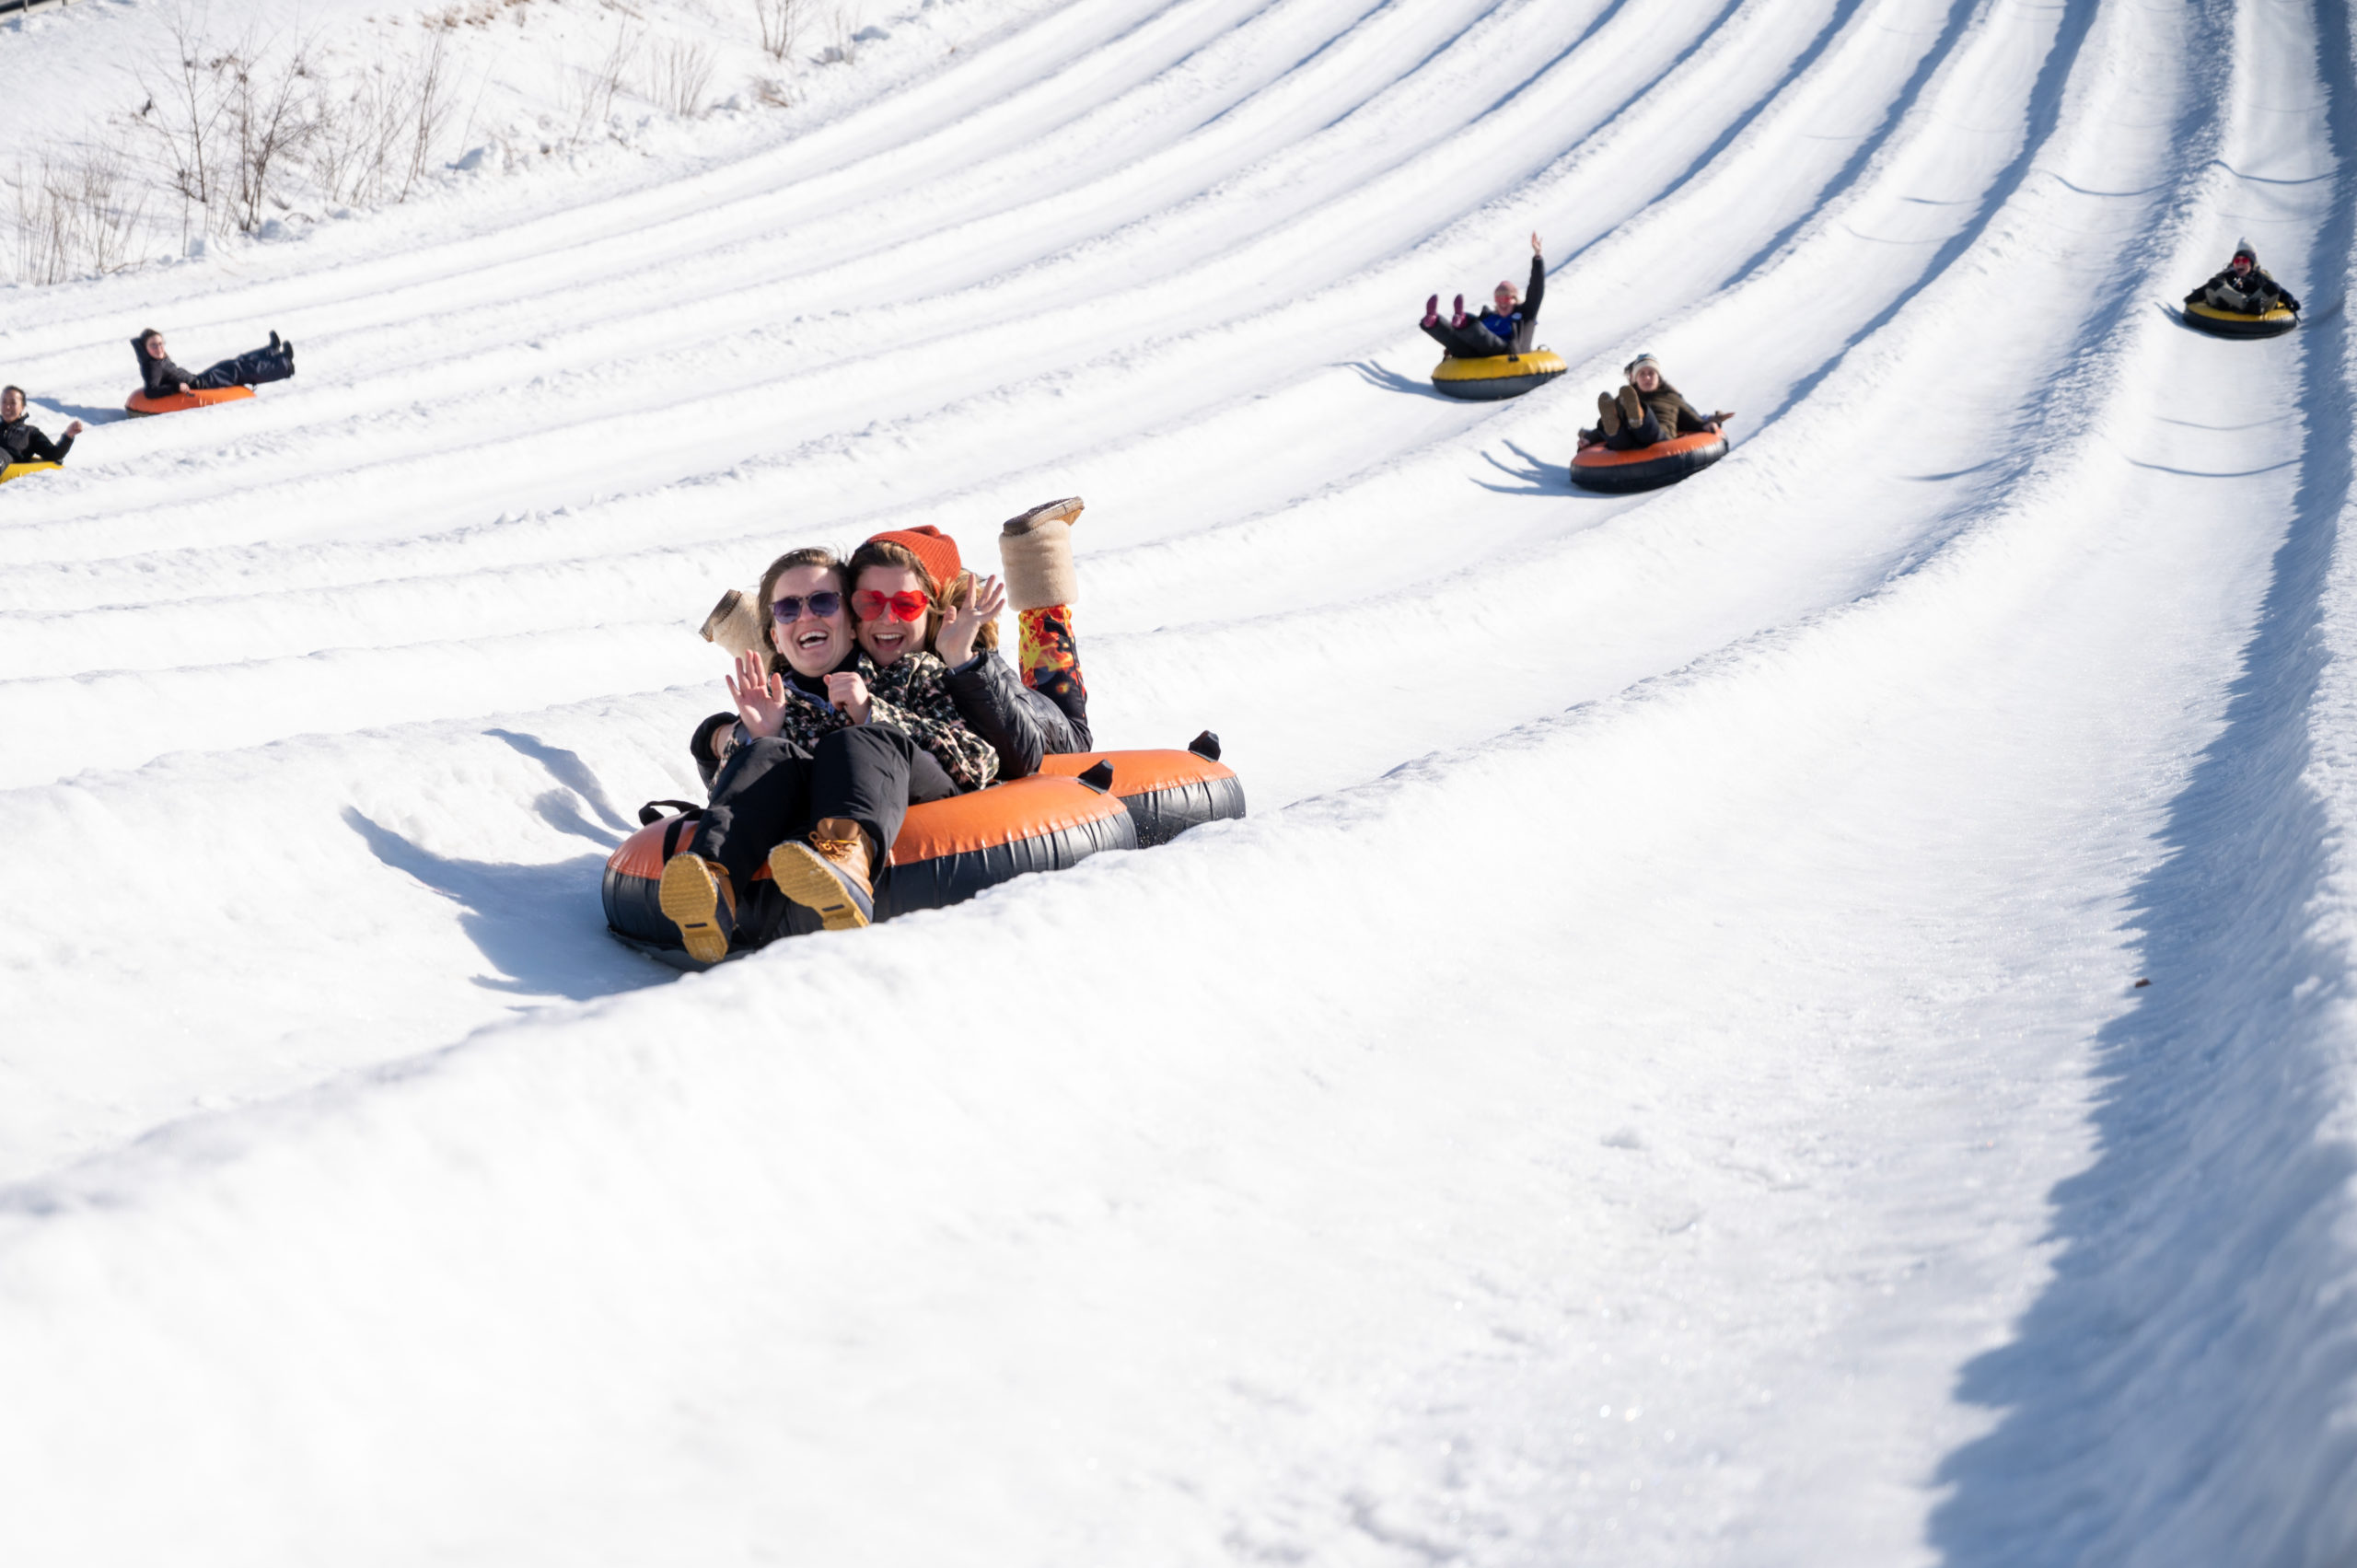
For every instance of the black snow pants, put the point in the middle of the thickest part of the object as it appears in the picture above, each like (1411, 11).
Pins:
(1472, 340)
(252, 368)
(773, 790)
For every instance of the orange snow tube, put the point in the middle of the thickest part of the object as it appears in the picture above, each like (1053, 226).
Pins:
(141, 404)
(1663, 462)
(1165, 792)
(947, 852)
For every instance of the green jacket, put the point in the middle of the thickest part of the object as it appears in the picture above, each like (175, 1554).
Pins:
(1676, 416)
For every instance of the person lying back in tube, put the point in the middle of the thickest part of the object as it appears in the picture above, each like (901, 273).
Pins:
(2244, 287)
(1510, 327)
(839, 746)
(1646, 412)
(160, 377)
(21, 442)
(1040, 708)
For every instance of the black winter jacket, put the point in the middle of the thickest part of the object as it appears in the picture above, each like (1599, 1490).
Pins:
(1021, 724)
(2257, 286)
(23, 444)
(161, 377)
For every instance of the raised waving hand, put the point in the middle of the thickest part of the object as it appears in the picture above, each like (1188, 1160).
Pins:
(760, 696)
(963, 621)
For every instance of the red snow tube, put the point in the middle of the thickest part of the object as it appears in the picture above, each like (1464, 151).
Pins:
(142, 405)
(1663, 462)
(1165, 792)
(947, 852)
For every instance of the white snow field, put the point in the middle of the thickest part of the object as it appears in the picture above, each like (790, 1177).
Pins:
(1662, 1075)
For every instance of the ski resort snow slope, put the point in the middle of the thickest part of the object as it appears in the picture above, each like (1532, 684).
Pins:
(1663, 1075)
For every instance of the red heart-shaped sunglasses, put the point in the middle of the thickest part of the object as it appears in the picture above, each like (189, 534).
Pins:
(869, 605)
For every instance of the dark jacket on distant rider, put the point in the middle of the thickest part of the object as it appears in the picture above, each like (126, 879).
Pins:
(23, 444)
(1519, 325)
(1490, 332)
(255, 367)
(2252, 293)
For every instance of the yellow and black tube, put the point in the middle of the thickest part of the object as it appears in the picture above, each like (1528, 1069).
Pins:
(1497, 376)
(2204, 317)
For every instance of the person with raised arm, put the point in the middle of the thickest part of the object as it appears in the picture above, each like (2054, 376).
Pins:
(1508, 326)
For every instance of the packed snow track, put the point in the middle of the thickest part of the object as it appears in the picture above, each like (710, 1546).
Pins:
(1802, 1017)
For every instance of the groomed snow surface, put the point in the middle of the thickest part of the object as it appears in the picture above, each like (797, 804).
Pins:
(1660, 1078)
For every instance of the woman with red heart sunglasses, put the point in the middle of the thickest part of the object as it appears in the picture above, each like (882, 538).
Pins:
(1034, 711)
(1024, 720)
(824, 756)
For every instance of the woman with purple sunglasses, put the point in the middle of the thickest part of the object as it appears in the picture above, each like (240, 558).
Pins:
(813, 752)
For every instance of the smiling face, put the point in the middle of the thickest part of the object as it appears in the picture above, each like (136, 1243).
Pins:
(887, 637)
(155, 341)
(1507, 296)
(2240, 264)
(813, 645)
(1647, 379)
(12, 406)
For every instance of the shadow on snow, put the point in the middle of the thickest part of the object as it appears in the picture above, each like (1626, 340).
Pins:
(542, 927)
(2179, 1392)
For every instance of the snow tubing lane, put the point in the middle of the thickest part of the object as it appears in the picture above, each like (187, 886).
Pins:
(19, 470)
(1664, 462)
(947, 852)
(2236, 324)
(1165, 792)
(140, 404)
(1498, 377)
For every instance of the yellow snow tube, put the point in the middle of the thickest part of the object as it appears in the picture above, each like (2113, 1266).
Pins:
(1497, 376)
(19, 470)
(2208, 317)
